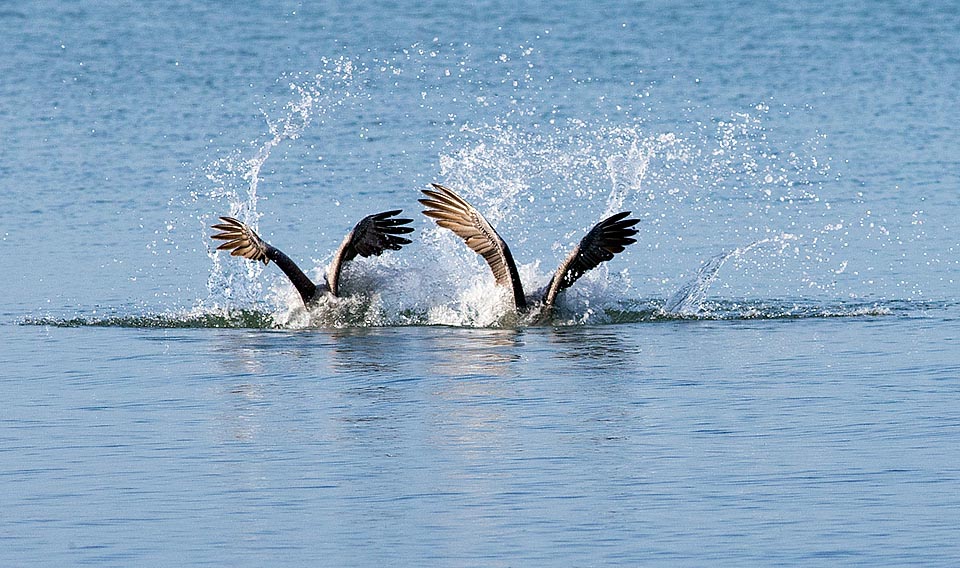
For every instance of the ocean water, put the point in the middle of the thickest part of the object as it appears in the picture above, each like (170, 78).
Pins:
(770, 375)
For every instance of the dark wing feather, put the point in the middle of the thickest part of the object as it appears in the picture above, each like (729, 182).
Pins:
(370, 237)
(605, 239)
(451, 211)
(243, 241)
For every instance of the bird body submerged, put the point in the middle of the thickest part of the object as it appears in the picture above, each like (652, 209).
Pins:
(372, 236)
(606, 239)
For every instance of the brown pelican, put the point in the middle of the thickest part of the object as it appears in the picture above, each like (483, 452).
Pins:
(605, 239)
(372, 235)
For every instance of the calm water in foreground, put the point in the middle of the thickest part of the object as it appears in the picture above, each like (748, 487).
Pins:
(724, 443)
(769, 376)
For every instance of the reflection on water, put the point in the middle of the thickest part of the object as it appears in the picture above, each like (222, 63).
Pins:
(593, 348)
(481, 352)
(372, 353)
(476, 400)
(253, 366)
(476, 377)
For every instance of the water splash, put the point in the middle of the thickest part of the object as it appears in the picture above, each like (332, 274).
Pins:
(236, 178)
(515, 175)
(688, 300)
(628, 168)
(543, 180)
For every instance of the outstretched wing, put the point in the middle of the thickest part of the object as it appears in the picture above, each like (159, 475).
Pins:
(372, 235)
(451, 211)
(605, 239)
(243, 241)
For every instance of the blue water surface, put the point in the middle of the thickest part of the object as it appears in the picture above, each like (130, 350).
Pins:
(770, 376)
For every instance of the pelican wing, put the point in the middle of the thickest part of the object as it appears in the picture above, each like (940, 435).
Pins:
(370, 237)
(451, 211)
(605, 239)
(243, 241)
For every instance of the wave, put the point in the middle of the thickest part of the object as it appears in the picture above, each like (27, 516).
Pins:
(243, 319)
(366, 311)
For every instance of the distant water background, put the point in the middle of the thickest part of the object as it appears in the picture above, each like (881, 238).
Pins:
(770, 376)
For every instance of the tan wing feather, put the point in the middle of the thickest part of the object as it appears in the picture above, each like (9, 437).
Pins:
(241, 240)
(451, 211)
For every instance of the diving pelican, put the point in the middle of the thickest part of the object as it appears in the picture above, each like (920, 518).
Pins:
(370, 237)
(601, 243)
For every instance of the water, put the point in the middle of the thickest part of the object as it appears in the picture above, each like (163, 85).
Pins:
(769, 376)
